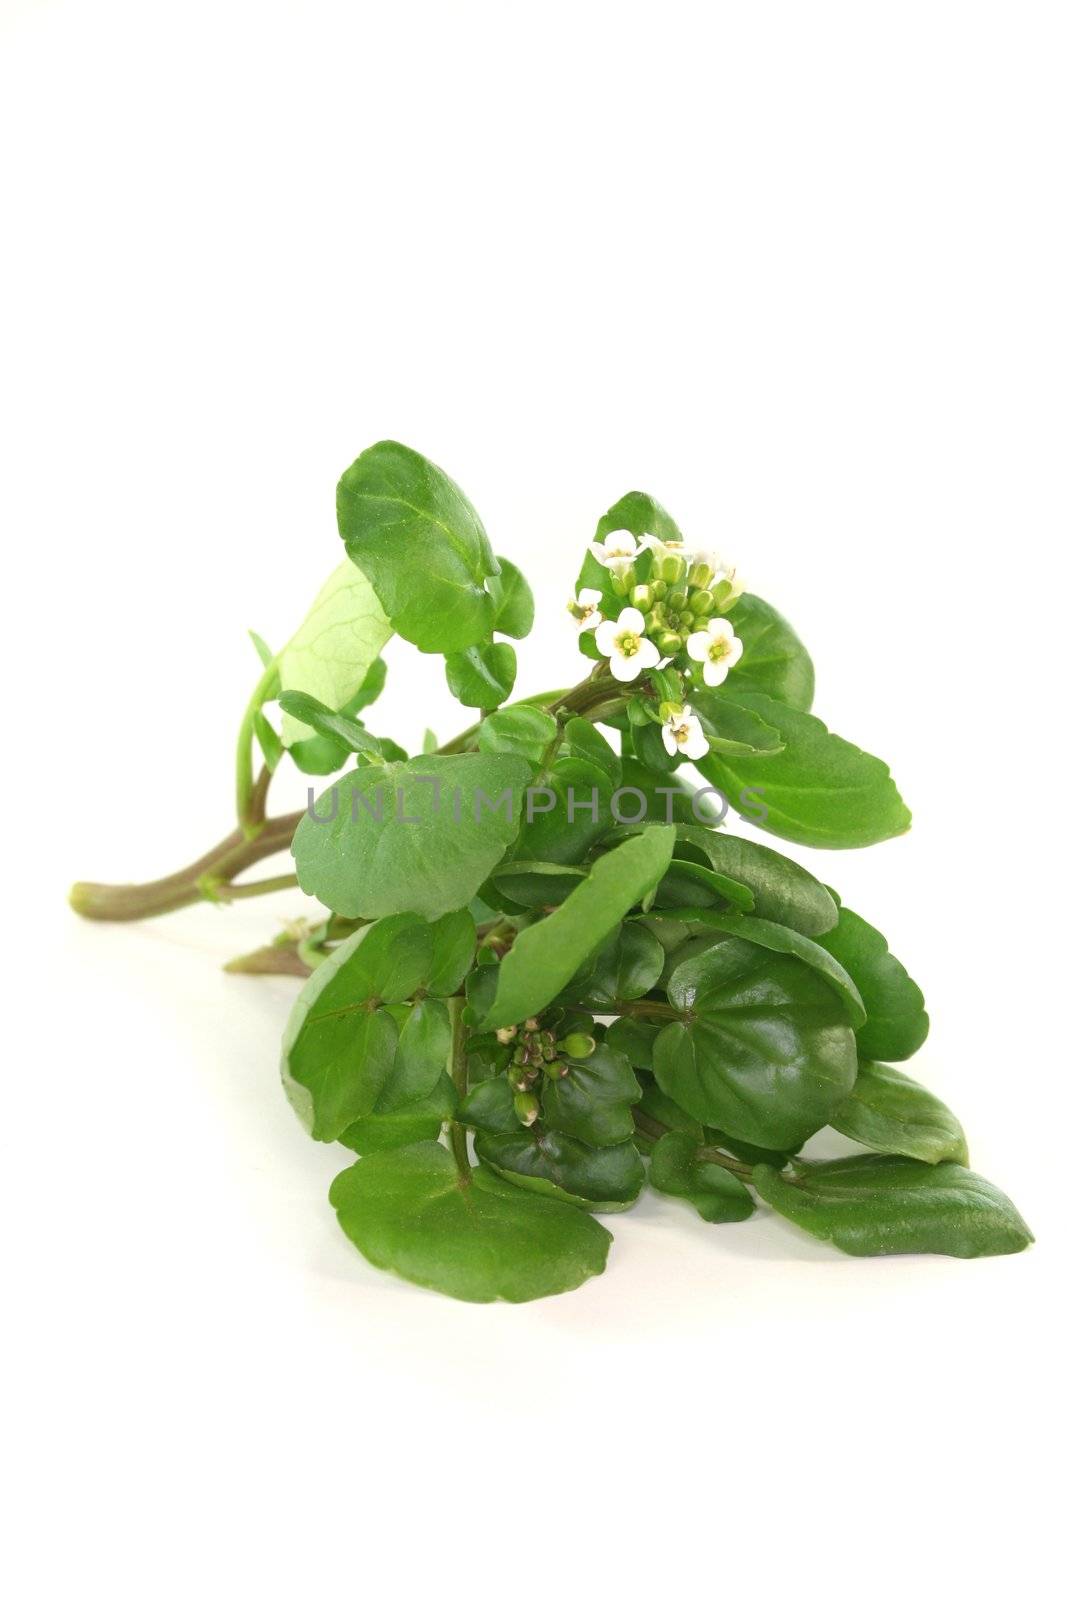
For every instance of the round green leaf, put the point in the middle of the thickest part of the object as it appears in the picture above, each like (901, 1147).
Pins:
(409, 1212)
(422, 545)
(761, 1048)
(514, 601)
(482, 675)
(772, 936)
(416, 835)
(454, 937)
(339, 1045)
(409, 1124)
(627, 966)
(517, 731)
(336, 647)
(592, 1101)
(609, 1178)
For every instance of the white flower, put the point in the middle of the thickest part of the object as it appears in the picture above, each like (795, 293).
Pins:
(664, 547)
(621, 641)
(617, 553)
(683, 735)
(586, 609)
(723, 571)
(718, 647)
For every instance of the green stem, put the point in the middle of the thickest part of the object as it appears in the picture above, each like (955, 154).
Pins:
(457, 1133)
(258, 836)
(653, 1130)
(249, 809)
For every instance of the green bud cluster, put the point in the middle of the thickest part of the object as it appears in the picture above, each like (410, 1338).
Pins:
(536, 1053)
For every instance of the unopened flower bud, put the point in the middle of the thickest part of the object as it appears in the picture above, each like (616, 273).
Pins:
(622, 582)
(642, 597)
(670, 568)
(532, 1024)
(701, 603)
(527, 1108)
(669, 642)
(658, 589)
(555, 1068)
(700, 575)
(686, 618)
(505, 1035)
(669, 709)
(578, 1045)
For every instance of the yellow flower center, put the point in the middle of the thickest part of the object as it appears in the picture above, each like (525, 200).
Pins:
(627, 644)
(719, 647)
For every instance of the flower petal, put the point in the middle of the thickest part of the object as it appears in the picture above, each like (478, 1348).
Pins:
(625, 668)
(599, 552)
(715, 673)
(669, 741)
(622, 542)
(733, 655)
(696, 745)
(647, 655)
(593, 620)
(631, 620)
(589, 597)
(698, 645)
(605, 637)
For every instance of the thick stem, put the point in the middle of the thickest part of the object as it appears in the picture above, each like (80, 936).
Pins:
(256, 838)
(457, 1133)
(127, 902)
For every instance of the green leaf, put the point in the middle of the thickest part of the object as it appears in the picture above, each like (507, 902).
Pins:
(677, 1168)
(890, 1112)
(582, 742)
(606, 1179)
(638, 513)
(339, 1045)
(546, 955)
(482, 675)
(888, 1205)
(421, 544)
(489, 1107)
(688, 883)
(269, 742)
(732, 728)
(627, 966)
(782, 890)
(669, 798)
(422, 1054)
(336, 645)
(368, 691)
(517, 731)
(897, 1023)
(454, 938)
(819, 790)
(774, 662)
(409, 1212)
(592, 1102)
(335, 725)
(419, 835)
(263, 649)
(761, 1048)
(409, 1124)
(567, 812)
(537, 883)
(633, 1039)
(514, 601)
(773, 936)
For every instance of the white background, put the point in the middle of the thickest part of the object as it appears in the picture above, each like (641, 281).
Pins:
(798, 271)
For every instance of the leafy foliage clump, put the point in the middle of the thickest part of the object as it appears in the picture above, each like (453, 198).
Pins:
(541, 938)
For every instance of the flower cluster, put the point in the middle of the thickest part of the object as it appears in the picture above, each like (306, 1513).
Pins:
(675, 609)
(680, 607)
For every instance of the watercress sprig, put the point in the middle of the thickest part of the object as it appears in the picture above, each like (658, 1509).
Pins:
(539, 935)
